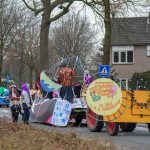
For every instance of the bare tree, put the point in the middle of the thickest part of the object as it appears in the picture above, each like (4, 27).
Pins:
(24, 47)
(8, 20)
(47, 7)
(32, 51)
(107, 8)
(74, 36)
(53, 9)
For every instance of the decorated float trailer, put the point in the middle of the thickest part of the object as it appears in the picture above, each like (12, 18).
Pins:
(108, 104)
(57, 111)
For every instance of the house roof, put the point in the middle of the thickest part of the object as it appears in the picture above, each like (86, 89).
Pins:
(130, 31)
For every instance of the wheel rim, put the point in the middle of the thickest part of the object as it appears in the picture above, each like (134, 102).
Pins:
(91, 118)
(111, 126)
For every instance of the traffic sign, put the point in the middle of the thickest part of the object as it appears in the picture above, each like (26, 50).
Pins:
(104, 71)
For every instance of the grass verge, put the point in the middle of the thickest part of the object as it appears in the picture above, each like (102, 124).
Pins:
(22, 137)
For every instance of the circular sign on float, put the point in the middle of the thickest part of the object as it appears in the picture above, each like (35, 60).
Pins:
(104, 96)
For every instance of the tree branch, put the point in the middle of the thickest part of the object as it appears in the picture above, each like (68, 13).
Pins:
(32, 9)
(65, 11)
(93, 8)
(36, 11)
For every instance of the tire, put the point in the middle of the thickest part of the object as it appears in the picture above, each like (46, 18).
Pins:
(127, 127)
(0, 105)
(148, 126)
(93, 122)
(7, 106)
(78, 120)
(112, 128)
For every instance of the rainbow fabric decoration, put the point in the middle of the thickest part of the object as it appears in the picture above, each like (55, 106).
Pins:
(47, 84)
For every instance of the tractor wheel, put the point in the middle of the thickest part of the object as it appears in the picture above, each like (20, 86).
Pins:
(149, 127)
(93, 122)
(112, 128)
(127, 127)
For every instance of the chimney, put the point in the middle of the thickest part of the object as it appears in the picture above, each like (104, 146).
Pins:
(148, 19)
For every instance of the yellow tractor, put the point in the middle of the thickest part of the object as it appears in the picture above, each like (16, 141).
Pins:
(108, 104)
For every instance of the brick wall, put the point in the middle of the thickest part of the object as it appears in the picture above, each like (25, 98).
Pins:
(141, 63)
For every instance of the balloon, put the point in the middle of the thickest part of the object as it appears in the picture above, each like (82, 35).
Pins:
(114, 90)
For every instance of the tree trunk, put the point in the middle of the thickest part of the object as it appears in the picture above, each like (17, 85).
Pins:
(107, 43)
(36, 75)
(21, 71)
(36, 67)
(30, 76)
(1, 68)
(44, 34)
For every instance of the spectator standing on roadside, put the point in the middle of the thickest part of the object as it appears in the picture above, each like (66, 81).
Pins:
(14, 103)
(25, 100)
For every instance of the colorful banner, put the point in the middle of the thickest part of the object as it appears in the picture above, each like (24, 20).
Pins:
(47, 84)
(56, 112)
(61, 113)
(104, 96)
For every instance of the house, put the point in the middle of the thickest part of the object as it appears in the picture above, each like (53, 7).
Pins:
(130, 43)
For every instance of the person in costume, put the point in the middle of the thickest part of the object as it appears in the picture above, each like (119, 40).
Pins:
(77, 89)
(35, 92)
(13, 94)
(14, 103)
(25, 101)
(66, 76)
(87, 77)
(87, 81)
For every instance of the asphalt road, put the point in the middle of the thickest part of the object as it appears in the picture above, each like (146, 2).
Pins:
(139, 139)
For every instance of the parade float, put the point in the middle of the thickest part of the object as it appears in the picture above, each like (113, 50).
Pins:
(103, 101)
(108, 104)
(58, 111)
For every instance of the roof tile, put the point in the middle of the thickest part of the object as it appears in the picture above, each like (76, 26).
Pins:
(130, 31)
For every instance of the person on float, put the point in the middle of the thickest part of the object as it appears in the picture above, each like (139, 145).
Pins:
(65, 75)
(77, 89)
(87, 81)
(35, 92)
(87, 77)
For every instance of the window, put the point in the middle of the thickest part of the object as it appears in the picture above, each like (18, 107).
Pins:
(122, 57)
(130, 56)
(116, 57)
